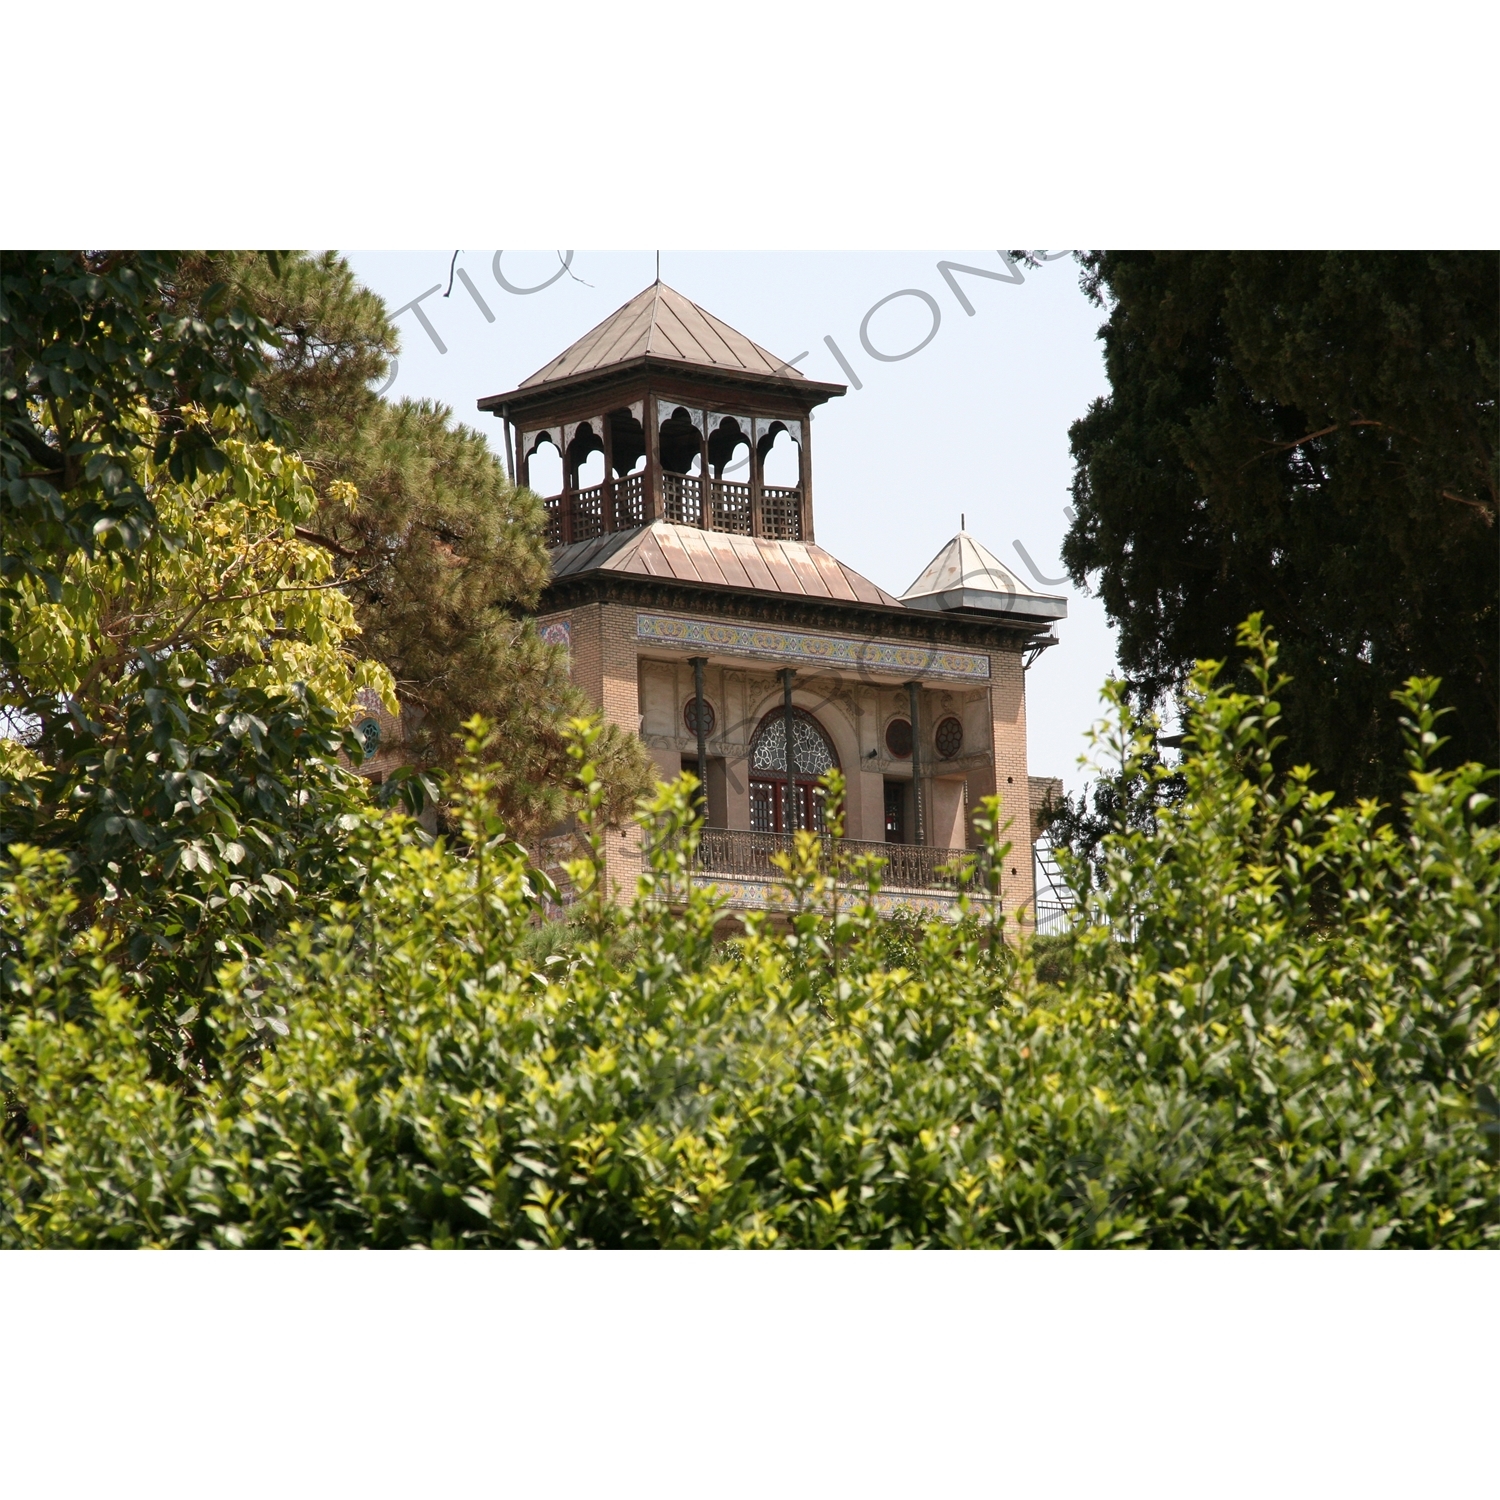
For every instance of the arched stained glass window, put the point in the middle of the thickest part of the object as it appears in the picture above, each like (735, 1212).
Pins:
(781, 803)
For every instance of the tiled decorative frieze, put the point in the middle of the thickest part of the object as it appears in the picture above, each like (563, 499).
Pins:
(825, 650)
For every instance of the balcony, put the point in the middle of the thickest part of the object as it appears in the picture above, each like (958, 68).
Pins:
(740, 855)
(620, 505)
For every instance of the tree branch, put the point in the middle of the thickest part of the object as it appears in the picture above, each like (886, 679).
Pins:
(1274, 448)
(319, 540)
(1484, 510)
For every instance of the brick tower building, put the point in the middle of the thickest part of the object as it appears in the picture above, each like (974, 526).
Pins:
(700, 613)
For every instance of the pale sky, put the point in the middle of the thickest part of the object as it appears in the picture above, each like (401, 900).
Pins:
(974, 423)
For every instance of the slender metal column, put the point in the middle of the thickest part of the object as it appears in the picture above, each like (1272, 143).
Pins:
(698, 663)
(914, 702)
(786, 700)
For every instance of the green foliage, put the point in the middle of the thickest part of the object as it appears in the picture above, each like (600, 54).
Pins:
(195, 824)
(86, 340)
(188, 705)
(1311, 435)
(1217, 1064)
(180, 653)
(440, 553)
(177, 689)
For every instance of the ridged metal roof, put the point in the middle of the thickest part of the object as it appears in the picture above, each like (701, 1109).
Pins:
(666, 325)
(723, 560)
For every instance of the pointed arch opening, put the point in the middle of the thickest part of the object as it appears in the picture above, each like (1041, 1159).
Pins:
(544, 465)
(627, 451)
(627, 442)
(680, 445)
(681, 442)
(779, 454)
(729, 450)
(780, 457)
(586, 457)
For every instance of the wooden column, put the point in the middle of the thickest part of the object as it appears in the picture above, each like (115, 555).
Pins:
(757, 484)
(607, 498)
(569, 489)
(651, 480)
(804, 469)
(705, 482)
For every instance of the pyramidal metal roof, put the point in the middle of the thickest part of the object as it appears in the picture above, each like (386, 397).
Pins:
(664, 324)
(723, 560)
(966, 575)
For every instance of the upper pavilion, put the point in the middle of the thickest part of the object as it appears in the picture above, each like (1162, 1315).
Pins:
(685, 413)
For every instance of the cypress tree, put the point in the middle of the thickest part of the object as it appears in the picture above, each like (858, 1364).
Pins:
(1312, 435)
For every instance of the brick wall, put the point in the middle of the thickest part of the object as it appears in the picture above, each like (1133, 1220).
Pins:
(603, 665)
(1007, 777)
(390, 750)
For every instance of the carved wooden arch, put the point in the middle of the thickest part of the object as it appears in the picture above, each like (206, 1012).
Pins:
(767, 429)
(717, 434)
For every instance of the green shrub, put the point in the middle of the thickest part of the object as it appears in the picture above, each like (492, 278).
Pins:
(1275, 1026)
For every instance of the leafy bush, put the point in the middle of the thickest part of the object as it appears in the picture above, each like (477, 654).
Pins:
(1276, 1027)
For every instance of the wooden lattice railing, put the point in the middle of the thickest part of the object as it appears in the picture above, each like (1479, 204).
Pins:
(729, 509)
(781, 513)
(620, 505)
(681, 499)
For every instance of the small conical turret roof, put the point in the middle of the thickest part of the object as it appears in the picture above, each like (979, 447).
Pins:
(965, 575)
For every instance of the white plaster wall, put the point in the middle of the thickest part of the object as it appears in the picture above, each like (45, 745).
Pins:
(658, 695)
(948, 821)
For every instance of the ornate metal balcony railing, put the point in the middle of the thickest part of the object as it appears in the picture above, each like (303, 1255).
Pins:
(908, 867)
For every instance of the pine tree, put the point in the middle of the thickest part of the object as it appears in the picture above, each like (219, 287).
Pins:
(441, 553)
